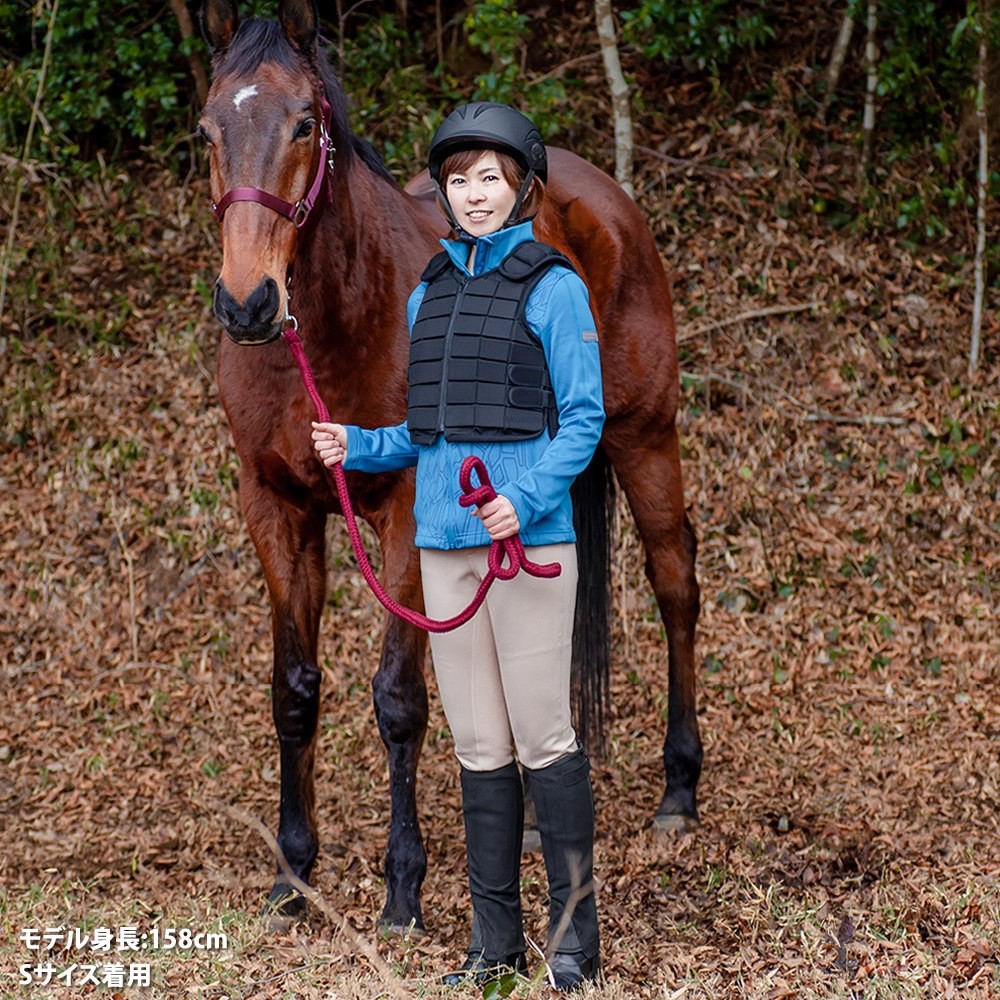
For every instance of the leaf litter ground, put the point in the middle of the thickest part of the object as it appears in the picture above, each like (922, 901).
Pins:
(841, 471)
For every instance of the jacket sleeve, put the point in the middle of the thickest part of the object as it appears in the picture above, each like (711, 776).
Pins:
(559, 313)
(384, 449)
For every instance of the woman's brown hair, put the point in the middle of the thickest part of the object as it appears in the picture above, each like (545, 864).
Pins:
(512, 172)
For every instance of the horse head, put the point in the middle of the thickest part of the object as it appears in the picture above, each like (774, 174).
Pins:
(266, 124)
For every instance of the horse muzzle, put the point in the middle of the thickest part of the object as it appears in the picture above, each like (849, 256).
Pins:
(258, 320)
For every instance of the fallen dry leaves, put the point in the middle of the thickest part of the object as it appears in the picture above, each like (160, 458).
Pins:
(842, 475)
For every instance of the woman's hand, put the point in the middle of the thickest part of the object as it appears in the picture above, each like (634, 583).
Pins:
(330, 442)
(499, 518)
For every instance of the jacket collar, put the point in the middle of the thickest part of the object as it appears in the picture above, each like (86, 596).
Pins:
(491, 249)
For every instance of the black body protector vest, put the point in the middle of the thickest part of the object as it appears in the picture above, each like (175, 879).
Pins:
(477, 371)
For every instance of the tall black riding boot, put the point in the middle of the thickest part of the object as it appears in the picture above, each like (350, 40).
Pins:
(493, 806)
(564, 804)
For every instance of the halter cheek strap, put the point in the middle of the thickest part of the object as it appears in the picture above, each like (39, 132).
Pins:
(297, 212)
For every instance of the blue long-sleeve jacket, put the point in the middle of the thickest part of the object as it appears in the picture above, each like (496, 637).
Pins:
(535, 475)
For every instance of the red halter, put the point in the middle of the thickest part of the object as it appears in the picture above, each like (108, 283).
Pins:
(298, 211)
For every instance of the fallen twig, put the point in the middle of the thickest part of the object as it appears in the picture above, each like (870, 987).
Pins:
(393, 983)
(777, 310)
(130, 576)
(810, 413)
(729, 173)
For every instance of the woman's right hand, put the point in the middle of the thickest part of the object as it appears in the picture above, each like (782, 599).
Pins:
(330, 443)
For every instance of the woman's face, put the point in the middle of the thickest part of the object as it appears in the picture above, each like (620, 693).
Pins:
(480, 197)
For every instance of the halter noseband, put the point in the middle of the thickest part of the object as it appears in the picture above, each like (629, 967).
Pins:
(297, 211)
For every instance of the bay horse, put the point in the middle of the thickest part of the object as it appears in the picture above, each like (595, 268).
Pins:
(313, 226)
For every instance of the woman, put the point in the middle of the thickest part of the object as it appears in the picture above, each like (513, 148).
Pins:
(504, 363)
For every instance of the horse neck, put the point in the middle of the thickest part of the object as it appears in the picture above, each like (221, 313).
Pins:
(357, 267)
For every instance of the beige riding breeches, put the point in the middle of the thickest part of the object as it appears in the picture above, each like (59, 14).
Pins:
(504, 676)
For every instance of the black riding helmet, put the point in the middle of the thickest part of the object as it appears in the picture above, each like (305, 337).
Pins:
(489, 125)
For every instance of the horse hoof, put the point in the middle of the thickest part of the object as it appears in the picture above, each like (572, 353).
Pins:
(284, 909)
(409, 932)
(668, 824)
(276, 922)
(532, 842)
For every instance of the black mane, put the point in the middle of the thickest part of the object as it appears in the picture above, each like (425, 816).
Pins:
(259, 41)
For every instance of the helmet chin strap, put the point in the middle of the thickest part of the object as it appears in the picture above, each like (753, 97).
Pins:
(512, 219)
(448, 211)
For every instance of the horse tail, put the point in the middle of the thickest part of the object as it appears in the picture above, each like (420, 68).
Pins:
(593, 496)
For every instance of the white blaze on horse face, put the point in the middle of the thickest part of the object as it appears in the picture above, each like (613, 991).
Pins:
(243, 93)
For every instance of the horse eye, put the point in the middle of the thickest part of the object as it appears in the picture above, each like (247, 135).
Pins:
(305, 128)
(202, 134)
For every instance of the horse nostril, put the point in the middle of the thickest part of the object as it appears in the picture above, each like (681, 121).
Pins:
(224, 305)
(262, 306)
(256, 319)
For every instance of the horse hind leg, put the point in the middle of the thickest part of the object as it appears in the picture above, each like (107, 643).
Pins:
(651, 479)
(679, 601)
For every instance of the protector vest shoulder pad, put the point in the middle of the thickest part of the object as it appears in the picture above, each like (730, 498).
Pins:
(435, 266)
(528, 259)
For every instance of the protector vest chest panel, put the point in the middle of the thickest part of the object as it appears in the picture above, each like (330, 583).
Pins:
(477, 371)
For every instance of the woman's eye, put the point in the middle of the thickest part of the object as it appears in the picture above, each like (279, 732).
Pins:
(305, 129)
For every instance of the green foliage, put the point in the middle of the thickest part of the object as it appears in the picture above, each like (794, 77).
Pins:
(706, 33)
(392, 105)
(925, 65)
(397, 103)
(503, 986)
(949, 453)
(117, 81)
(111, 81)
(499, 31)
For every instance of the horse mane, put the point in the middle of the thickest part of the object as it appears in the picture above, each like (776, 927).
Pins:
(258, 41)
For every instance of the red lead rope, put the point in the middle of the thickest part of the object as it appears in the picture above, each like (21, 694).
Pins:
(471, 496)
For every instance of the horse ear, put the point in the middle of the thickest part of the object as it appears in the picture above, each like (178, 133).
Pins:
(219, 21)
(299, 21)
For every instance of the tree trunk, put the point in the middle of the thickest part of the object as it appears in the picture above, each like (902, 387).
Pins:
(981, 185)
(195, 62)
(837, 60)
(620, 104)
(871, 69)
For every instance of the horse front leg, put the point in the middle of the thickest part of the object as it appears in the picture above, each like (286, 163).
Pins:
(400, 696)
(650, 474)
(291, 545)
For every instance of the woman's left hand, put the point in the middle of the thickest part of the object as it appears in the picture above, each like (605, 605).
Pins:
(499, 518)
